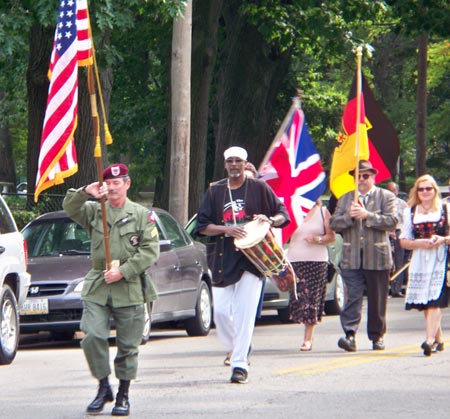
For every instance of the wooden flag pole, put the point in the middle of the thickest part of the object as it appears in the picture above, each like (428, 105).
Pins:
(295, 105)
(396, 274)
(98, 159)
(358, 117)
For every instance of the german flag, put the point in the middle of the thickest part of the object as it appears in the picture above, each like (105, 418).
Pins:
(378, 142)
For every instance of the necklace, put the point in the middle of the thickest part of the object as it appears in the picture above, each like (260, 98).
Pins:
(231, 197)
(425, 210)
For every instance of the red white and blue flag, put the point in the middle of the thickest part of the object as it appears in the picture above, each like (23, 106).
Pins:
(293, 169)
(72, 48)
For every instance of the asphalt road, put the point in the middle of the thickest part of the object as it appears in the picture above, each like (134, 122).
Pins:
(183, 377)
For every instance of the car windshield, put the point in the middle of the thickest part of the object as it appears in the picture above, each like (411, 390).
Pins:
(56, 237)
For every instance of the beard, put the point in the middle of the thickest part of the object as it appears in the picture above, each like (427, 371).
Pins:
(234, 175)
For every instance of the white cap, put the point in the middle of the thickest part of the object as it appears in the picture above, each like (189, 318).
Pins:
(235, 152)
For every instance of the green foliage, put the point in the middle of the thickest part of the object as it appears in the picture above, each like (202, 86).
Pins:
(133, 37)
(169, 9)
(418, 16)
(139, 106)
(22, 216)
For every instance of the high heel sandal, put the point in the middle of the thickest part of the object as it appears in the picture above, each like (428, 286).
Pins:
(438, 347)
(427, 348)
(306, 346)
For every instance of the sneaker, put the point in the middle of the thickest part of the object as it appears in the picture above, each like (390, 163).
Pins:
(348, 343)
(378, 345)
(239, 376)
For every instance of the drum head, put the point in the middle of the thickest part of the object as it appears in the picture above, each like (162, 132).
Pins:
(256, 231)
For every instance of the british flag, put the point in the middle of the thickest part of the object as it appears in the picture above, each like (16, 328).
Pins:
(293, 170)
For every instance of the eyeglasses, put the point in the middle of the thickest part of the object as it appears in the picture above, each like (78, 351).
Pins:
(365, 176)
(234, 161)
(426, 188)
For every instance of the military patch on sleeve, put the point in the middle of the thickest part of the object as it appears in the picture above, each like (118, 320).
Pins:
(154, 232)
(134, 240)
(151, 217)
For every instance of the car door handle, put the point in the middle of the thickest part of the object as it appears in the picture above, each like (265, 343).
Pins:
(2, 249)
(176, 268)
(197, 262)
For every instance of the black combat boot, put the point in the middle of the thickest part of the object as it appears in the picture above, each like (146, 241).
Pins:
(122, 407)
(103, 396)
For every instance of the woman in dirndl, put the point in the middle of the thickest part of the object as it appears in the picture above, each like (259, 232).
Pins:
(308, 255)
(425, 233)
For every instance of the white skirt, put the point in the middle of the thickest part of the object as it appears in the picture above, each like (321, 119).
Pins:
(426, 275)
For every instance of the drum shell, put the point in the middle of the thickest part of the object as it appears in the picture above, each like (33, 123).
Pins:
(262, 249)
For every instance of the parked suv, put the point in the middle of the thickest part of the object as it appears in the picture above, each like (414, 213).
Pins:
(14, 282)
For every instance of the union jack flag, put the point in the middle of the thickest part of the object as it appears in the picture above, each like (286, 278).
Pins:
(293, 170)
(71, 48)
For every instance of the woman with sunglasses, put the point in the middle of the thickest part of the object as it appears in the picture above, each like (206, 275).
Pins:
(425, 233)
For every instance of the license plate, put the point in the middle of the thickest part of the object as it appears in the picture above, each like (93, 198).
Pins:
(34, 306)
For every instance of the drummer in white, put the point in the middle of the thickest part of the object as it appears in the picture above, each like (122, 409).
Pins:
(226, 207)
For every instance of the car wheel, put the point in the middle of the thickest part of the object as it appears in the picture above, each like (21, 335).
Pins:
(336, 305)
(283, 314)
(200, 325)
(147, 323)
(9, 323)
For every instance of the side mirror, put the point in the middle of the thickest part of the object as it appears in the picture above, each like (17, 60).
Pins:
(165, 245)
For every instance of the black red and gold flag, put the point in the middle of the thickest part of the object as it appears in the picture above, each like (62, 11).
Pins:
(378, 141)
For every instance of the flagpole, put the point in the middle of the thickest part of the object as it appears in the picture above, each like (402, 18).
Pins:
(358, 117)
(98, 159)
(295, 105)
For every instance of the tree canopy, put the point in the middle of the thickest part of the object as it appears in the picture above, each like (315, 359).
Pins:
(248, 59)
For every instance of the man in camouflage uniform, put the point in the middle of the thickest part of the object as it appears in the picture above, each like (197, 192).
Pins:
(116, 291)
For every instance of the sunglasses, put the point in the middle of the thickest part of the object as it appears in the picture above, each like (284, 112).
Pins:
(365, 176)
(234, 161)
(426, 188)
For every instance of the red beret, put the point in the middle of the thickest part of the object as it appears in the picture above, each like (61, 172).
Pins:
(115, 170)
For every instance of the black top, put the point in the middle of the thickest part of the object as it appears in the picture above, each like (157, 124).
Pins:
(253, 197)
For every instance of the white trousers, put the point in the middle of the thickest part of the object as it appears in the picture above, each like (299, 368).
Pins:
(234, 315)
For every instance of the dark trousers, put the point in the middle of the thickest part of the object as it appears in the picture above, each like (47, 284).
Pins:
(376, 283)
(400, 258)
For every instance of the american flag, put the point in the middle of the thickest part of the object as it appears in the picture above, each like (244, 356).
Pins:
(293, 170)
(71, 48)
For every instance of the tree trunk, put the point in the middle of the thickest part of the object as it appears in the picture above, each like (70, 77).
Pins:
(206, 15)
(37, 88)
(250, 78)
(84, 135)
(421, 127)
(7, 164)
(180, 114)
